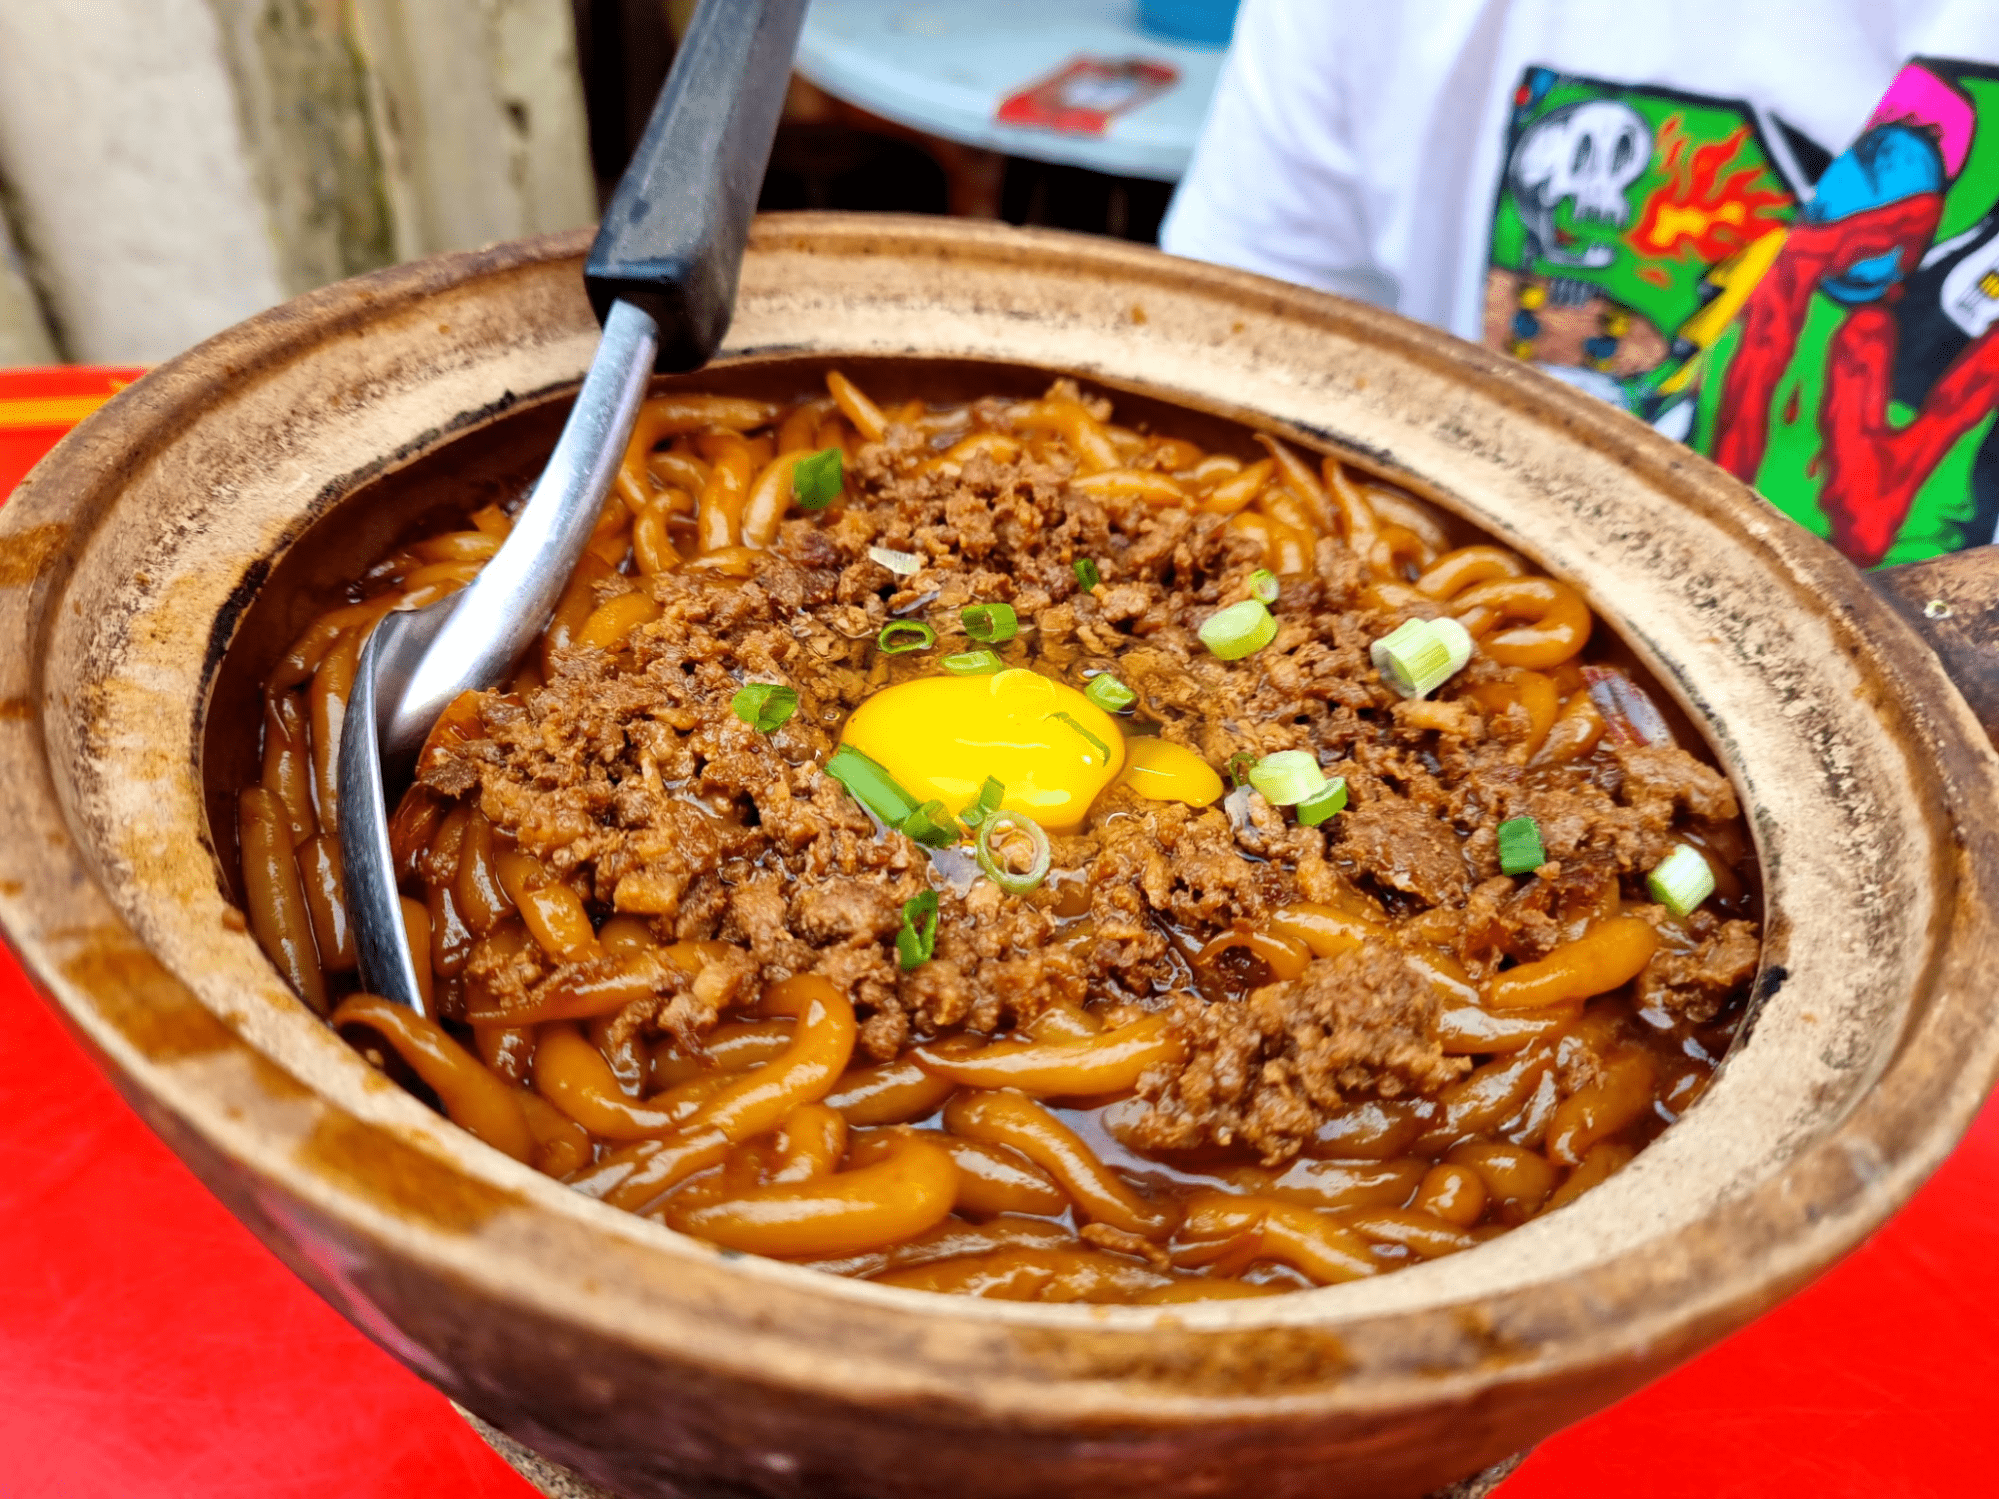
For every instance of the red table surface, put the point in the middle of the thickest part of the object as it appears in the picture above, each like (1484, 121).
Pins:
(149, 1345)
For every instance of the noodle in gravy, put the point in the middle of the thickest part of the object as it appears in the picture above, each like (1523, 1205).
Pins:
(991, 850)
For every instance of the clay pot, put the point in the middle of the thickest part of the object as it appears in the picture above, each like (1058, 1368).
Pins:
(145, 546)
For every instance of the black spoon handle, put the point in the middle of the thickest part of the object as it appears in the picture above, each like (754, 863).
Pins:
(671, 241)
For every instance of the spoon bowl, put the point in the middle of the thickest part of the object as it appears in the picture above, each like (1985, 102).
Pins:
(415, 662)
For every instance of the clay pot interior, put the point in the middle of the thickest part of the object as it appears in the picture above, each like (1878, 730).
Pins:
(204, 516)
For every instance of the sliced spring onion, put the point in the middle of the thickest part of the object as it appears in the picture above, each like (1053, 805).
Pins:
(973, 663)
(1087, 574)
(1263, 586)
(1322, 804)
(990, 623)
(871, 785)
(1239, 765)
(1235, 632)
(1287, 777)
(1457, 640)
(817, 479)
(931, 824)
(1013, 882)
(918, 938)
(1520, 849)
(1070, 719)
(903, 563)
(1109, 694)
(1419, 656)
(988, 803)
(764, 705)
(920, 637)
(1681, 881)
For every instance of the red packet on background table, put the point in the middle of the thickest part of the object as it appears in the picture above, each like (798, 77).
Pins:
(1085, 95)
(38, 406)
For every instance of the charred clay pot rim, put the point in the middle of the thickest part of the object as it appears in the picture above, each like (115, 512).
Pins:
(1868, 785)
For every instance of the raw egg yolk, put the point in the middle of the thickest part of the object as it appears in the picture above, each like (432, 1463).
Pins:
(1167, 772)
(941, 737)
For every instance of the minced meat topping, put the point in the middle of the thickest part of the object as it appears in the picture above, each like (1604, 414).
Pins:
(627, 774)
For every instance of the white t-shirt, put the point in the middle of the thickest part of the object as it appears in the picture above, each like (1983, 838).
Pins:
(1356, 147)
(1769, 229)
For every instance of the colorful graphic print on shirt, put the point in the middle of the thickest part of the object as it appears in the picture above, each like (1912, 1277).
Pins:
(1821, 328)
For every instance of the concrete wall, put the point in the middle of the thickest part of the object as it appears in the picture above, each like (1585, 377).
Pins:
(301, 99)
(478, 106)
(173, 166)
(24, 334)
(136, 200)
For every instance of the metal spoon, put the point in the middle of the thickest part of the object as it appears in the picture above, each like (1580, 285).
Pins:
(662, 275)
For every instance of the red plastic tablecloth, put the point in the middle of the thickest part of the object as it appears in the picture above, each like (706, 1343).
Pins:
(150, 1346)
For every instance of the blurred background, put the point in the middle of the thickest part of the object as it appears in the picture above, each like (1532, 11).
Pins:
(169, 167)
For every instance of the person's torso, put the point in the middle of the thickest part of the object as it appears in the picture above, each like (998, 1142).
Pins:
(1751, 226)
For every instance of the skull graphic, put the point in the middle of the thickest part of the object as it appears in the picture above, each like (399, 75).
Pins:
(1587, 154)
